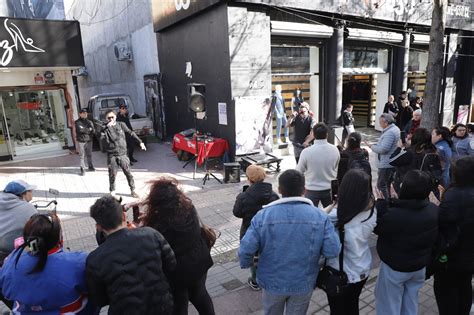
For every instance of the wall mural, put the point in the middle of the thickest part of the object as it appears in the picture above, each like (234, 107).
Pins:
(36, 9)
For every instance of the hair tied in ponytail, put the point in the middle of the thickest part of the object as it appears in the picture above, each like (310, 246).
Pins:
(34, 244)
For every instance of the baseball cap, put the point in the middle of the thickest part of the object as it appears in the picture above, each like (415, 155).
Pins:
(17, 187)
(83, 110)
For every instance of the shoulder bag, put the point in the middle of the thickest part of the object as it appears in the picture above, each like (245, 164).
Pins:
(331, 280)
(209, 234)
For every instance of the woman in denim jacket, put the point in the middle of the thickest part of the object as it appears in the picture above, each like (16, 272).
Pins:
(355, 212)
(462, 144)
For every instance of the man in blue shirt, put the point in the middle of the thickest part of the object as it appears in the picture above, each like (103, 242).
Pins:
(290, 235)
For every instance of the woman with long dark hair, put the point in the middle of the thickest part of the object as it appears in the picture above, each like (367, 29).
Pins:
(354, 214)
(173, 214)
(353, 157)
(40, 277)
(441, 138)
(420, 155)
(453, 286)
(462, 145)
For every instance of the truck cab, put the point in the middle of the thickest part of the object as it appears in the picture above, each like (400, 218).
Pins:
(99, 104)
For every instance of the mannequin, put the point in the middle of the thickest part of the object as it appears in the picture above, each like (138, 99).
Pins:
(296, 101)
(278, 105)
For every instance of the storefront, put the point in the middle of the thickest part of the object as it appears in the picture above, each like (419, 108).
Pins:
(37, 103)
(333, 53)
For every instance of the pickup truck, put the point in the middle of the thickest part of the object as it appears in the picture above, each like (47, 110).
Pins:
(99, 104)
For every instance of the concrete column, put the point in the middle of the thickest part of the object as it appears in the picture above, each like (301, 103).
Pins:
(406, 59)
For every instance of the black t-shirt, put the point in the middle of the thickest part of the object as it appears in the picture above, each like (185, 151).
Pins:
(302, 128)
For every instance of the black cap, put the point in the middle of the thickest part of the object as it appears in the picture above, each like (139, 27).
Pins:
(83, 110)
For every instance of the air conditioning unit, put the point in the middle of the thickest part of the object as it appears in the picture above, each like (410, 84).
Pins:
(122, 51)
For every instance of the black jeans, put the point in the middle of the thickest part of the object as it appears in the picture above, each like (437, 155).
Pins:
(130, 147)
(348, 302)
(113, 163)
(453, 292)
(197, 294)
(319, 195)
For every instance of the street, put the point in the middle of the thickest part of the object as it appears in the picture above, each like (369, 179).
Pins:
(226, 281)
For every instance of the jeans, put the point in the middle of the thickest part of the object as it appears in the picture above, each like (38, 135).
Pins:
(281, 122)
(348, 302)
(113, 163)
(195, 293)
(130, 147)
(297, 149)
(384, 180)
(85, 151)
(453, 291)
(319, 195)
(295, 304)
(396, 293)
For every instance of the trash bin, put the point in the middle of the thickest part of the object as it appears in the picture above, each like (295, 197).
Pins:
(232, 172)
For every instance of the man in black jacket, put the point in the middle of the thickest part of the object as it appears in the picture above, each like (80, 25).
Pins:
(84, 134)
(123, 116)
(113, 135)
(129, 270)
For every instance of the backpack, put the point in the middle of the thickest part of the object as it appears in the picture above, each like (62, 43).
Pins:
(360, 161)
(431, 164)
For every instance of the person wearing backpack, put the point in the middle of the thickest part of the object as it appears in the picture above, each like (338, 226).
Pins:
(354, 157)
(420, 155)
(355, 217)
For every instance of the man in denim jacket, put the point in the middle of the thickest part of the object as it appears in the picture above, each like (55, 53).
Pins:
(290, 235)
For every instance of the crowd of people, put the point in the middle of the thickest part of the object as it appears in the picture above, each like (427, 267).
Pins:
(422, 211)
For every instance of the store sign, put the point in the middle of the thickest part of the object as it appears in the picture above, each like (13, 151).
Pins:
(48, 77)
(168, 12)
(29, 105)
(39, 79)
(30, 43)
(17, 42)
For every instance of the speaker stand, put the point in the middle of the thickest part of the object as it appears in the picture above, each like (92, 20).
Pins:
(208, 172)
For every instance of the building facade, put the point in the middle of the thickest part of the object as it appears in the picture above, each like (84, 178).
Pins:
(334, 52)
(37, 97)
(120, 52)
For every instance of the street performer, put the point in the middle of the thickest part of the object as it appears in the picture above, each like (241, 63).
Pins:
(113, 136)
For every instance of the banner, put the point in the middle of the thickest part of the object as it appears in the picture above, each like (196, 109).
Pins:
(253, 118)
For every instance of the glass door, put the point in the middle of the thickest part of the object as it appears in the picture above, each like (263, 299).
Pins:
(6, 150)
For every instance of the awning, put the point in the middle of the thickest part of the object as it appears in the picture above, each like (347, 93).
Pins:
(301, 29)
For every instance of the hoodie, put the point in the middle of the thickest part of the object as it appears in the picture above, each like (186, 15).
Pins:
(14, 213)
(249, 202)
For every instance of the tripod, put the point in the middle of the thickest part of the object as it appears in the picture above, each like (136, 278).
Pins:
(208, 172)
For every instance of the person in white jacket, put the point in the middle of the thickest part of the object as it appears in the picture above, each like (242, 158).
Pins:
(355, 214)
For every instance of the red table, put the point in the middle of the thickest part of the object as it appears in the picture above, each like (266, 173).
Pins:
(214, 148)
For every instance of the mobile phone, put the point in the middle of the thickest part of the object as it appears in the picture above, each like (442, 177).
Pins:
(334, 189)
(136, 214)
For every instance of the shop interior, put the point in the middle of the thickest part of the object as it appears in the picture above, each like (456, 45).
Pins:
(35, 122)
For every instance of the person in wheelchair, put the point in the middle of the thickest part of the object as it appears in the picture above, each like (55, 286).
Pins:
(15, 211)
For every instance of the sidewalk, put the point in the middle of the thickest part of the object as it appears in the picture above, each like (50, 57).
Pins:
(226, 282)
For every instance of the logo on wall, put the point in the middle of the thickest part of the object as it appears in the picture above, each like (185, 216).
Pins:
(39, 79)
(48, 77)
(182, 4)
(18, 41)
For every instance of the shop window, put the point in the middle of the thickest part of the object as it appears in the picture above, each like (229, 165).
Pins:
(418, 61)
(365, 57)
(290, 60)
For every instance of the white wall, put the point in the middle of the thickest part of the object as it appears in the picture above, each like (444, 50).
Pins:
(104, 23)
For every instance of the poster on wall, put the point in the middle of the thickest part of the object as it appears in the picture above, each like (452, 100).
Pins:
(154, 104)
(253, 118)
(36, 9)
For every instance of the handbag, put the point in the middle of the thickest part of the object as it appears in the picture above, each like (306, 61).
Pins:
(331, 280)
(209, 234)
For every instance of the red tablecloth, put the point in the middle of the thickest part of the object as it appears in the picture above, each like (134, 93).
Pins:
(214, 148)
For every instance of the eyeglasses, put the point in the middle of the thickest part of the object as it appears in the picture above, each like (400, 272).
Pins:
(110, 117)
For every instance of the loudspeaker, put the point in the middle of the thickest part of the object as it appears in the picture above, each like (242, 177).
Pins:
(196, 97)
(232, 172)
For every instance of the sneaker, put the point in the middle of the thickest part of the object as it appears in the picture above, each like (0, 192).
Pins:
(253, 285)
(133, 160)
(91, 169)
(287, 140)
(134, 194)
(113, 193)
